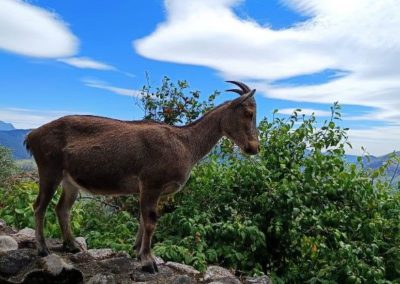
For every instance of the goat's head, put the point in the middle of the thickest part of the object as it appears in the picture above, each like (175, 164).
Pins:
(239, 123)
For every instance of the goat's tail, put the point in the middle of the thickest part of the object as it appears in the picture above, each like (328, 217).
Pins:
(27, 143)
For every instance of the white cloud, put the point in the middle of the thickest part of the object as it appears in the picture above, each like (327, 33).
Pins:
(306, 111)
(360, 37)
(32, 31)
(86, 63)
(29, 118)
(116, 90)
(377, 141)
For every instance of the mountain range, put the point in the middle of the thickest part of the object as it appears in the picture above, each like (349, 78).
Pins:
(14, 139)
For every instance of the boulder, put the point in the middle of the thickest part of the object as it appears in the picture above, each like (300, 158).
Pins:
(182, 268)
(264, 279)
(216, 274)
(102, 278)
(82, 243)
(7, 243)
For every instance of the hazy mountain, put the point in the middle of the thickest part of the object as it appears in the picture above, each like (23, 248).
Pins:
(14, 140)
(6, 126)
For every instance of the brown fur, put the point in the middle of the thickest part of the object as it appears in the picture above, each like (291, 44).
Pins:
(109, 156)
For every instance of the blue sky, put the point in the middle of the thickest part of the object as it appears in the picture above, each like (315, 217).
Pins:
(64, 57)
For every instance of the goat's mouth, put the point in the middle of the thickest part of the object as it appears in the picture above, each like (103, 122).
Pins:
(252, 148)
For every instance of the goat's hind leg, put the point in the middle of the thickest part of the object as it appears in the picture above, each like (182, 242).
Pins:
(139, 236)
(48, 183)
(148, 212)
(63, 210)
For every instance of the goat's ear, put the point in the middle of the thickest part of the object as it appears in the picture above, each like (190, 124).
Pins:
(239, 101)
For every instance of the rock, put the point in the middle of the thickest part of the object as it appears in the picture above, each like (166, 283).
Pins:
(102, 278)
(2, 224)
(258, 280)
(183, 268)
(182, 279)
(55, 264)
(82, 243)
(217, 274)
(159, 260)
(100, 254)
(226, 280)
(72, 276)
(24, 236)
(12, 262)
(7, 243)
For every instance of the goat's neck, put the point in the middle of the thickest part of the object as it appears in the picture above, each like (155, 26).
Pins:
(204, 134)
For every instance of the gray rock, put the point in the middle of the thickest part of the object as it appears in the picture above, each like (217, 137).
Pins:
(25, 235)
(7, 243)
(54, 264)
(182, 279)
(105, 253)
(12, 262)
(258, 280)
(158, 260)
(226, 280)
(214, 273)
(102, 278)
(182, 268)
(82, 243)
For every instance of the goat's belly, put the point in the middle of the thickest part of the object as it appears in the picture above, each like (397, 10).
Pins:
(126, 186)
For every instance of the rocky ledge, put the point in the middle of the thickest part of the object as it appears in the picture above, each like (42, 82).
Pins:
(19, 263)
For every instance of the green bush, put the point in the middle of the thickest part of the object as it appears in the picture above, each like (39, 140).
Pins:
(111, 228)
(297, 211)
(7, 166)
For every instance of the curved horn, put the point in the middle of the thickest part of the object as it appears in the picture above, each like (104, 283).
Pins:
(240, 92)
(245, 89)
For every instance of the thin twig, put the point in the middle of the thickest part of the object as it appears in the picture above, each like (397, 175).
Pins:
(395, 172)
(101, 201)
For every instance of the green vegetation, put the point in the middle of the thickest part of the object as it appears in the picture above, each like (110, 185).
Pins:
(296, 211)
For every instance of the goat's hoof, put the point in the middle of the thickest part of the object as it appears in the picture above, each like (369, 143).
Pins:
(150, 267)
(71, 247)
(43, 252)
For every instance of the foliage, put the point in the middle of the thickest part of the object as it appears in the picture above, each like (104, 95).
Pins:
(169, 103)
(297, 211)
(110, 228)
(7, 166)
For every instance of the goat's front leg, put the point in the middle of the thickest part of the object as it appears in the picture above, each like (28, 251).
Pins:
(148, 212)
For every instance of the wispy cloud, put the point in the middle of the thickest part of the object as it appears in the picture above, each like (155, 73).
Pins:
(30, 118)
(32, 31)
(116, 90)
(358, 37)
(376, 140)
(86, 63)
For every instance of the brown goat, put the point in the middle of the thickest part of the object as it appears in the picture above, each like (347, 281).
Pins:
(113, 157)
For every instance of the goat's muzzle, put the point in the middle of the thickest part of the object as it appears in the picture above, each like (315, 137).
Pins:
(252, 148)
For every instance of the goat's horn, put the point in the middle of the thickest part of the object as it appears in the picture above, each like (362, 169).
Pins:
(246, 89)
(240, 92)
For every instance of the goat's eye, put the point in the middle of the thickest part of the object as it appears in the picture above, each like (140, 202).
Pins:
(248, 114)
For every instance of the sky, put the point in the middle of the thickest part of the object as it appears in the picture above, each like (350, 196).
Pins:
(91, 57)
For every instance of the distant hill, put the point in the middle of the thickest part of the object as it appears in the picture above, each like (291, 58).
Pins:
(14, 140)
(6, 126)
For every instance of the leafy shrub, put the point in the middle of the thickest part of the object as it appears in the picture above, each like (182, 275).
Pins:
(169, 103)
(297, 211)
(110, 228)
(7, 165)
